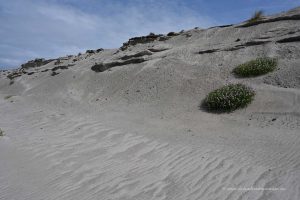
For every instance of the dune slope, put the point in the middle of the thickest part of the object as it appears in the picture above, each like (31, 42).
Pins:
(126, 124)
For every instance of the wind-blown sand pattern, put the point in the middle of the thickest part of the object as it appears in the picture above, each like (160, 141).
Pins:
(135, 131)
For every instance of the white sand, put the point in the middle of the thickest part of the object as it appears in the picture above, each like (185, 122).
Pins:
(136, 132)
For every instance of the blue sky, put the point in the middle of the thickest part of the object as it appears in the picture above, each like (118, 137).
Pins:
(51, 28)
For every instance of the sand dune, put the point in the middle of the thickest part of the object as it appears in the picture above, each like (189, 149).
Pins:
(135, 131)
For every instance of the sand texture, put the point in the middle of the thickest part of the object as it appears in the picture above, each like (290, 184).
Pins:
(125, 124)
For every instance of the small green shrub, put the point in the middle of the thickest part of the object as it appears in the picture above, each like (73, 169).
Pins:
(228, 98)
(256, 67)
(257, 16)
(1, 133)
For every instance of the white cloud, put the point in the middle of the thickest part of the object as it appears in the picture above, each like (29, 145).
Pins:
(68, 15)
(9, 61)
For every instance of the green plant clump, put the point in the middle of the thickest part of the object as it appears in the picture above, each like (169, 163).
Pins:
(228, 98)
(257, 16)
(256, 67)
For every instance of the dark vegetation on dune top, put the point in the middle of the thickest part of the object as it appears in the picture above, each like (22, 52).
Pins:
(257, 16)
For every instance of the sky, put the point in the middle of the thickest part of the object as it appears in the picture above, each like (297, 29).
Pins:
(52, 28)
